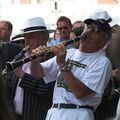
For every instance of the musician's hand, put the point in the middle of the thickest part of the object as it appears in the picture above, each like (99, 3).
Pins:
(38, 52)
(19, 72)
(60, 52)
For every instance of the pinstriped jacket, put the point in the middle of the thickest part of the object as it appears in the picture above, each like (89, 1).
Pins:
(37, 96)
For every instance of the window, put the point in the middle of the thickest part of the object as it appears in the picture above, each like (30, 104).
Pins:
(25, 1)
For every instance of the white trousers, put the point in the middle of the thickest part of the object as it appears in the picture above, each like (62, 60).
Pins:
(69, 114)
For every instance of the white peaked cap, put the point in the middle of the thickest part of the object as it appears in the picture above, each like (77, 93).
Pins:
(103, 14)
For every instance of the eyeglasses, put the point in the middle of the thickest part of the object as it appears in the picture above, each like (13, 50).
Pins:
(60, 28)
(93, 28)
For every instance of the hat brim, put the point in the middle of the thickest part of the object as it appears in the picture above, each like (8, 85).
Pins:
(89, 21)
(17, 39)
(31, 31)
(114, 21)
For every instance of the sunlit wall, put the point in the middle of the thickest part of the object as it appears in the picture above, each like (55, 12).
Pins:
(17, 11)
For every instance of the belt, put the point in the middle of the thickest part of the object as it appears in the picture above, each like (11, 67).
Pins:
(68, 106)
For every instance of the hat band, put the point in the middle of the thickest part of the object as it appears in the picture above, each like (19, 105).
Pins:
(35, 28)
(109, 20)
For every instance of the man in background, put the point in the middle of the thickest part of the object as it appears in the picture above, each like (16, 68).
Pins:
(64, 27)
(7, 52)
(18, 38)
(78, 24)
(6, 28)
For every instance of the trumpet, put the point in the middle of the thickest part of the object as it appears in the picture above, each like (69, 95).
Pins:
(48, 53)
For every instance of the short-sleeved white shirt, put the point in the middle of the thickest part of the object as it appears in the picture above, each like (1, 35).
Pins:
(93, 69)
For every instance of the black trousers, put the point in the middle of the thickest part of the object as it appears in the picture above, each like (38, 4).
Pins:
(107, 109)
(18, 117)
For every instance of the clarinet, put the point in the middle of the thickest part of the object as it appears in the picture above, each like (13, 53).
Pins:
(19, 56)
(48, 53)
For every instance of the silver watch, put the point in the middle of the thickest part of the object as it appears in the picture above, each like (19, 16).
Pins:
(66, 68)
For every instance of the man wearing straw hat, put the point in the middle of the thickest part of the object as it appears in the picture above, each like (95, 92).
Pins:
(32, 97)
(18, 38)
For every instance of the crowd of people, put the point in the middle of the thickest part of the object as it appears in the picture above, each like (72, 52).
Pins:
(58, 79)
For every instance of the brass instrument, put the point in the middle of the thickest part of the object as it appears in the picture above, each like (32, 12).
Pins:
(48, 53)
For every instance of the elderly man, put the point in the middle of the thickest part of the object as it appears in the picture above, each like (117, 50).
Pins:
(18, 38)
(32, 98)
(107, 109)
(6, 28)
(81, 74)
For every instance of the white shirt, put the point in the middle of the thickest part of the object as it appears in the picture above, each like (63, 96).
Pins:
(95, 75)
(18, 99)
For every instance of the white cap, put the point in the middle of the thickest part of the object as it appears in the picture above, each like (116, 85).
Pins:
(103, 14)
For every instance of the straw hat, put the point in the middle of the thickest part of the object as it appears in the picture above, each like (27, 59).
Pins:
(35, 24)
(18, 36)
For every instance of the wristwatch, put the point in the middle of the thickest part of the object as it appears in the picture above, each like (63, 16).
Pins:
(65, 68)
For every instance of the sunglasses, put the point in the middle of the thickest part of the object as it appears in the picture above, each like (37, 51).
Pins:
(94, 28)
(60, 28)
